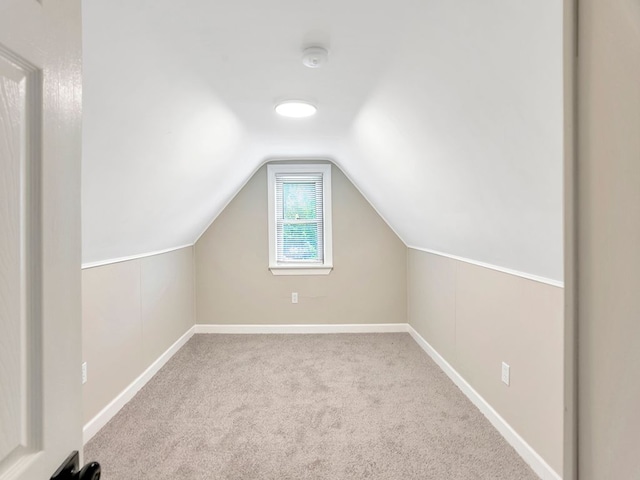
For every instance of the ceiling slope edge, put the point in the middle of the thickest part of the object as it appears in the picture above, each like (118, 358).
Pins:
(109, 261)
(302, 159)
(528, 276)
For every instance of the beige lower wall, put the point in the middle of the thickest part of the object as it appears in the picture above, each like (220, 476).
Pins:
(235, 286)
(476, 318)
(132, 312)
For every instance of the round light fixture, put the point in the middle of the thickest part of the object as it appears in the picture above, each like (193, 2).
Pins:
(296, 109)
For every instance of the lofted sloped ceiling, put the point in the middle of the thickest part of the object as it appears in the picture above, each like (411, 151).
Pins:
(447, 114)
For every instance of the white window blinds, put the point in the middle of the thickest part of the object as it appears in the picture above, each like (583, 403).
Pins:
(299, 218)
(299, 206)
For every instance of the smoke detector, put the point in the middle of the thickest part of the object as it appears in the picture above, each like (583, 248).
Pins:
(315, 57)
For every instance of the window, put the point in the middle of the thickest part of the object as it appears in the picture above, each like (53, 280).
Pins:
(300, 219)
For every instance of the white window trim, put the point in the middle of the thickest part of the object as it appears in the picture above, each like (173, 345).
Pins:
(302, 268)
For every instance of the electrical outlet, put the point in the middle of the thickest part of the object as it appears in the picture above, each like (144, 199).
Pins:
(84, 372)
(294, 297)
(506, 373)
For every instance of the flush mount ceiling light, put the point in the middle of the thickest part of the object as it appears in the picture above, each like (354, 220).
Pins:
(296, 109)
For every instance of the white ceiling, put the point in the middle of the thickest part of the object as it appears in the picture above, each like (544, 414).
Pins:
(447, 114)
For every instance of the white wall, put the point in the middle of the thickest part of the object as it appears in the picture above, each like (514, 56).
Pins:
(461, 145)
(446, 114)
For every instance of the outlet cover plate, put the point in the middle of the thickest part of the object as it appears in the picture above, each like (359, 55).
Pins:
(506, 373)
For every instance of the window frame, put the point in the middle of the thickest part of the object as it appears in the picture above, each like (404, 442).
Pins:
(300, 268)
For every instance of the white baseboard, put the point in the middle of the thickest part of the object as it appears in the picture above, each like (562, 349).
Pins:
(529, 455)
(94, 425)
(316, 328)
(323, 328)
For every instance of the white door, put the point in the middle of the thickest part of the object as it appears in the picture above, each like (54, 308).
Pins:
(40, 120)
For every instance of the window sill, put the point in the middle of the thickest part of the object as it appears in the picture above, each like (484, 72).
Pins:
(301, 269)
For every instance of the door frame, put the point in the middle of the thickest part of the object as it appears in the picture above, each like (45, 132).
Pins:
(570, 427)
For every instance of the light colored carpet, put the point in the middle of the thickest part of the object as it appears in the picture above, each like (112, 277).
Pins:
(285, 407)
